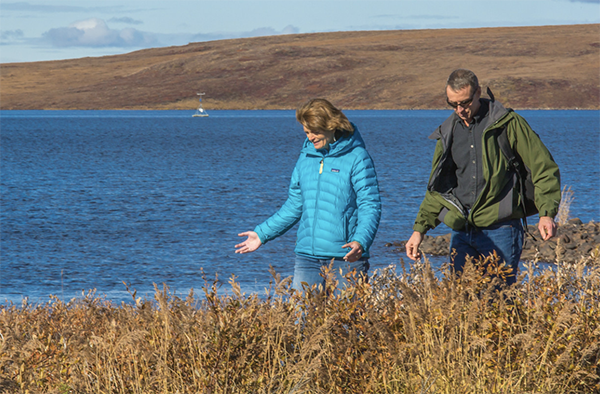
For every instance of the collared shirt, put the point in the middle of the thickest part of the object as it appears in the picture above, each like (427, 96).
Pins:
(467, 155)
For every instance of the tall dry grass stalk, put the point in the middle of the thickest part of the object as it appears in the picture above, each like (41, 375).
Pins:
(409, 332)
(564, 208)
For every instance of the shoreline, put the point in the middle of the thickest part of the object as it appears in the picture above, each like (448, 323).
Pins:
(283, 109)
(573, 241)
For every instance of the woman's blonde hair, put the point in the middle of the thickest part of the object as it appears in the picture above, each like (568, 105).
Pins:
(321, 115)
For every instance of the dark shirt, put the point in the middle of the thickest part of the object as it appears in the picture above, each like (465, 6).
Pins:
(467, 155)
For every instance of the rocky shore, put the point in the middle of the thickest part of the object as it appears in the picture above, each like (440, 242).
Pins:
(573, 240)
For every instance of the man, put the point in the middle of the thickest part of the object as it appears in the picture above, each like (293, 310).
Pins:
(472, 186)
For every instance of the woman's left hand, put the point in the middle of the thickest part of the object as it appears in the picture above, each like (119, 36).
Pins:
(355, 253)
(249, 245)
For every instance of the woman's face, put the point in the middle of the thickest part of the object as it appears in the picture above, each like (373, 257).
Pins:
(319, 138)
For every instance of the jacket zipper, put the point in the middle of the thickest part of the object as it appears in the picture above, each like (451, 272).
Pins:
(451, 199)
(316, 206)
(447, 196)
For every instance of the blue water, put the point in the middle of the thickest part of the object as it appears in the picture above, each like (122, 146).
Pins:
(92, 199)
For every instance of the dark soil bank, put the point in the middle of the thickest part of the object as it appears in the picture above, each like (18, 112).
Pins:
(572, 241)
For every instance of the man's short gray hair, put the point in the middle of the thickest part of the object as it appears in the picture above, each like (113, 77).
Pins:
(461, 78)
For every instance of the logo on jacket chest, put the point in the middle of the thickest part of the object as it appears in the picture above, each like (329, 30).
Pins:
(335, 170)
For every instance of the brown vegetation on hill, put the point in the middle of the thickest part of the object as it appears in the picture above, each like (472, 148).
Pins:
(526, 67)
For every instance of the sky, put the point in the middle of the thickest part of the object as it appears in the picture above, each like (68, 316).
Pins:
(40, 30)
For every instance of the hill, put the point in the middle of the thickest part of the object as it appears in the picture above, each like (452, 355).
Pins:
(526, 67)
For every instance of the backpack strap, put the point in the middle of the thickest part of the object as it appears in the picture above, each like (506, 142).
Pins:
(508, 152)
(490, 94)
(515, 164)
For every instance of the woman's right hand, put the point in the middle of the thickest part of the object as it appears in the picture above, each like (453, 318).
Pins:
(250, 244)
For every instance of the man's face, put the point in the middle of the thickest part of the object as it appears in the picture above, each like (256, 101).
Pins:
(465, 103)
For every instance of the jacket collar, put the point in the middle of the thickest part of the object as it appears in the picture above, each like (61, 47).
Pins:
(496, 113)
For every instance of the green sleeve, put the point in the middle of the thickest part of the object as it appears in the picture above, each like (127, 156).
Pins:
(427, 218)
(544, 170)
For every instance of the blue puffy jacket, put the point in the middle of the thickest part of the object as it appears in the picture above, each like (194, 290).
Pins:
(335, 196)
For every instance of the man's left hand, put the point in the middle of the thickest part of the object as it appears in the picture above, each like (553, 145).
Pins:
(547, 227)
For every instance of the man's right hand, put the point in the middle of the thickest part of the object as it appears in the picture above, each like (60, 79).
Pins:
(412, 245)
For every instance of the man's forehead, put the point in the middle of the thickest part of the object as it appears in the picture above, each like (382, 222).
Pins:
(465, 90)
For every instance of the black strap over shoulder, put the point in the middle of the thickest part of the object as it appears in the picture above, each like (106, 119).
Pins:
(506, 149)
(526, 188)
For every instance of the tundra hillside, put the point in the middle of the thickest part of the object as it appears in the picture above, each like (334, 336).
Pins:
(526, 67)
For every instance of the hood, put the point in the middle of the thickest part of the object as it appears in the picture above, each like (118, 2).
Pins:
(339, 147)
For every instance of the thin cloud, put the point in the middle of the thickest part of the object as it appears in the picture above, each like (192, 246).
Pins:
(24, 6)
(585, 1)
(259, 32)
(11, 35)
(410, 17)
(126, 20)
(289, 29)
(95, 33)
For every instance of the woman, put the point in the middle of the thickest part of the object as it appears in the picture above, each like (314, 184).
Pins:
(333, 194)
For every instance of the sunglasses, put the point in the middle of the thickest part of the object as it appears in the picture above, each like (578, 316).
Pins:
(464, 103)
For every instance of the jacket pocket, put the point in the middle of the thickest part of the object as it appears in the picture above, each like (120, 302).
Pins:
(454, 219)
(350, 223)
(507, 202)
(346, 224)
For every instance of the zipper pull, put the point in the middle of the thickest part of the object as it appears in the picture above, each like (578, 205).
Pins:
(321, 169)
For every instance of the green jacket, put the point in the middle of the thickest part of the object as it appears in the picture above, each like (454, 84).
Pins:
(499, 199)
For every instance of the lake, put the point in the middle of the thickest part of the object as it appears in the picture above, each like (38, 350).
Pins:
(92, 199)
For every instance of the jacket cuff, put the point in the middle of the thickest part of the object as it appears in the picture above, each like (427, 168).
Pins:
(420, 228)
(548, 212)
(362, 245)
(261, 235)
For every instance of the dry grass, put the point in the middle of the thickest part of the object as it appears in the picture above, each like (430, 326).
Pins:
(566, 198)
(415, 332)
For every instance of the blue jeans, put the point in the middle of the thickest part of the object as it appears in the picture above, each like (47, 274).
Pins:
(506, 238)
(308, 269)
